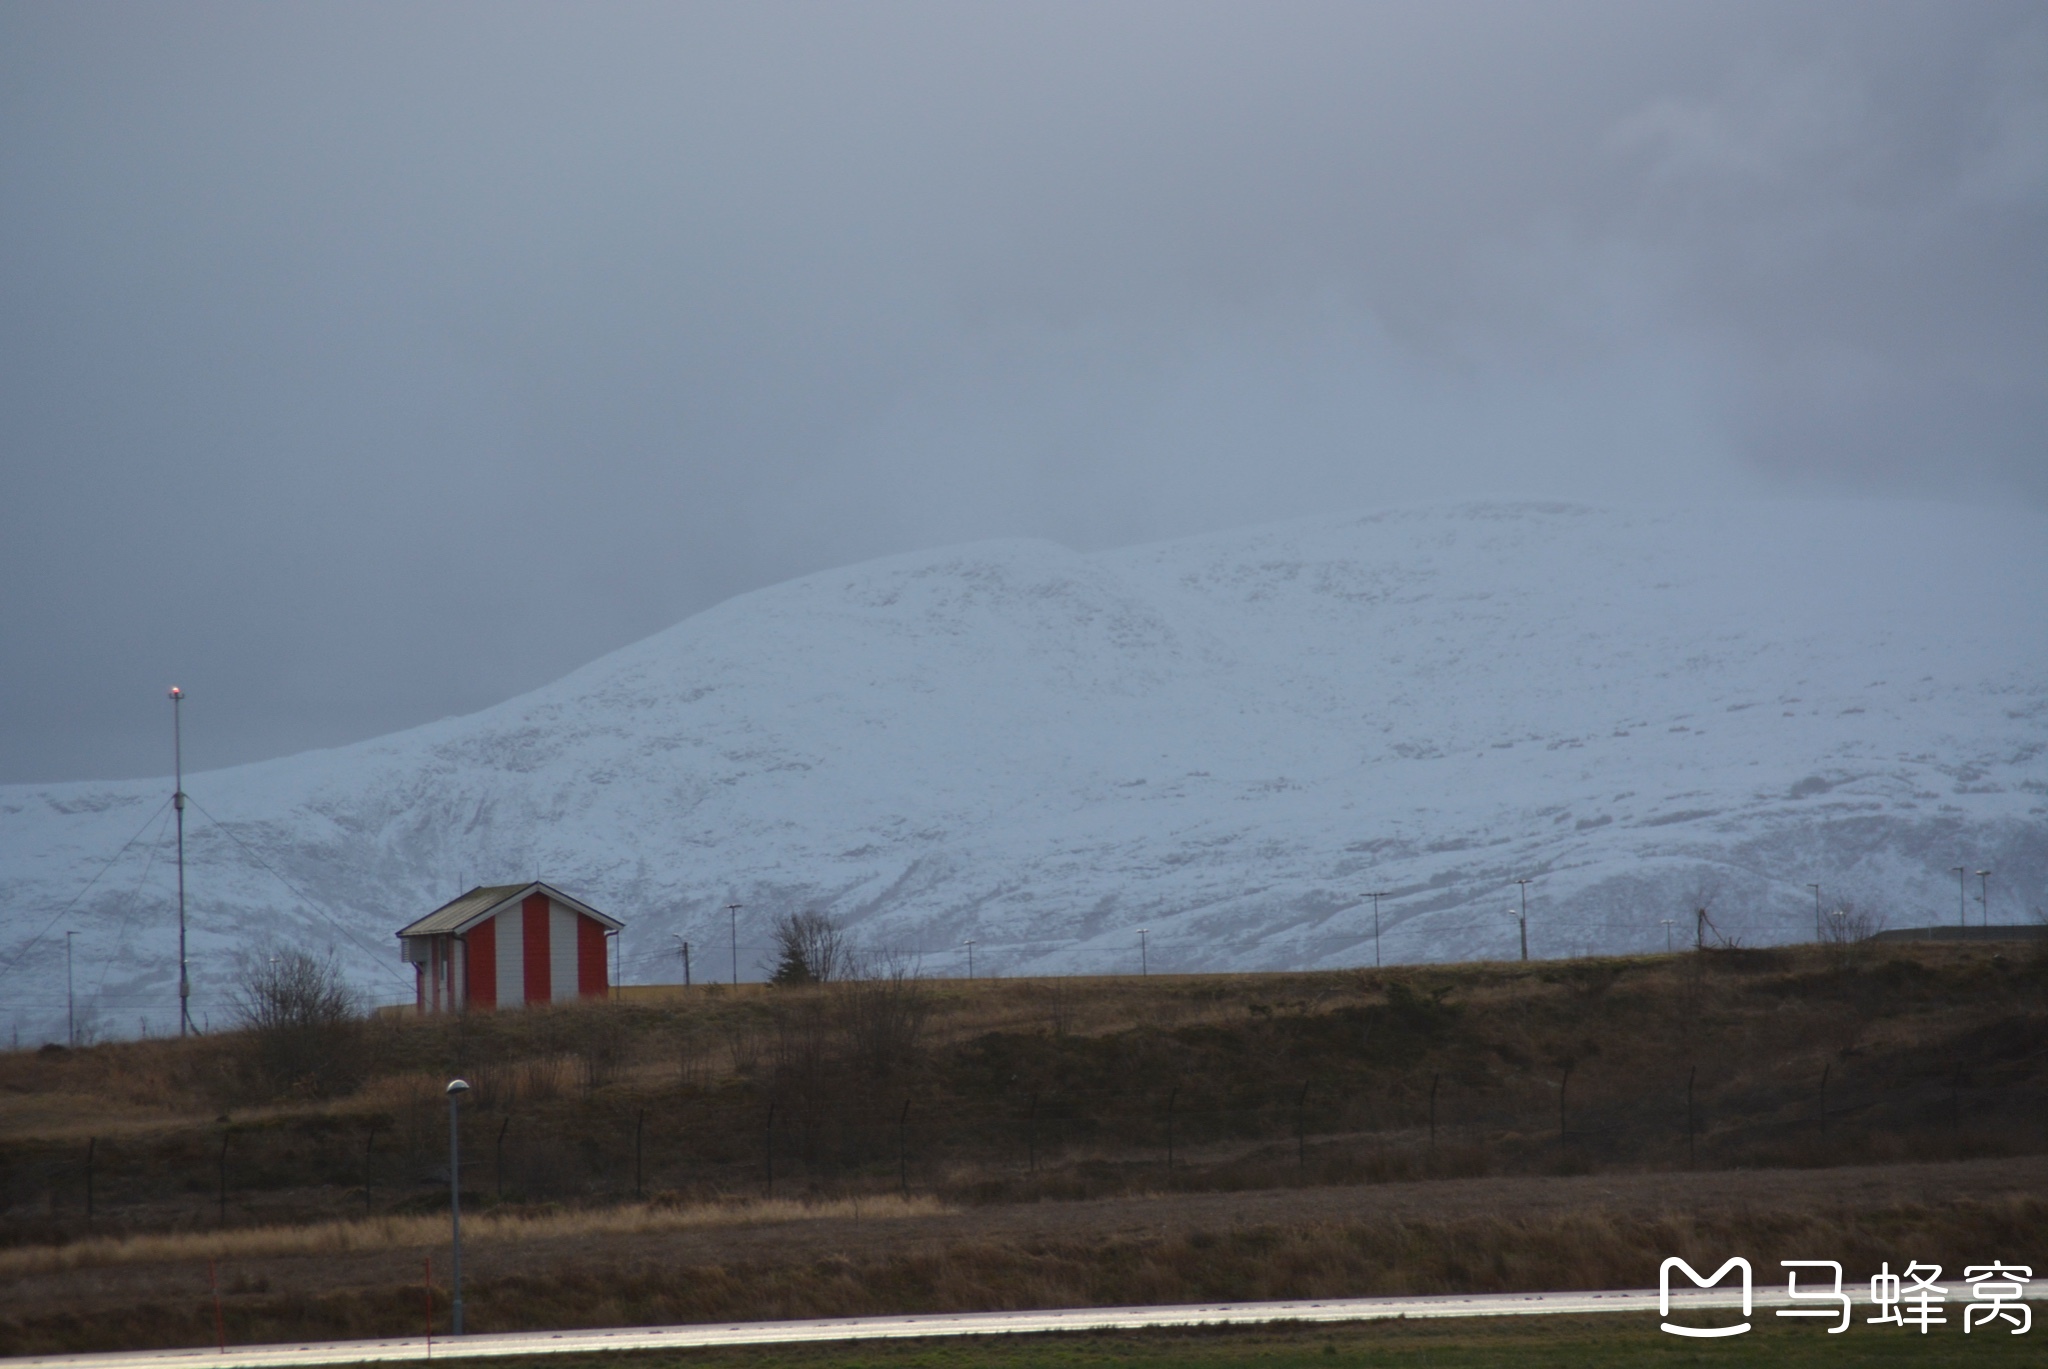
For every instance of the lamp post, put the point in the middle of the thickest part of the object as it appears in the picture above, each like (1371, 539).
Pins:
(1984, 895)
(1667, 936)
(1375, 896)
(70, 1004)
(456, 1088)
(969, 944)
(1525, 917)
(732, 910)
(1818, 933)
(178, 802)
(1143, 968)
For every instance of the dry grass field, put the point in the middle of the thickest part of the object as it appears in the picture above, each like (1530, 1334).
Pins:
(917, 1145)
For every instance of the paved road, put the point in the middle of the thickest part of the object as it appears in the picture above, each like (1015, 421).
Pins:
(296, 1356)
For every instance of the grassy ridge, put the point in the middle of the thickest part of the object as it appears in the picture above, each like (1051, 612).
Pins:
(945, 1105)
(997, 1091)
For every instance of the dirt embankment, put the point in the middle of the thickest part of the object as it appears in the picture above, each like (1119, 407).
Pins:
(1484, 1234)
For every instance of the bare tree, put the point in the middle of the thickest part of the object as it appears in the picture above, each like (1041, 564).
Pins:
(304, 1022)
(810, 948)
(1848, 924)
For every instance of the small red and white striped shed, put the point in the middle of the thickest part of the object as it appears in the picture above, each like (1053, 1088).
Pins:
(506, 945)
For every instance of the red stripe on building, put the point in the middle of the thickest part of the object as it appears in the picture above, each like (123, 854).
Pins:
(592, 981)
(534, 915)
(480, 967)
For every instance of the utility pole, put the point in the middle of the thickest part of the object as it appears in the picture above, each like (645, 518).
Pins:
(1818, 933)
(1667, 936)
(686, 959)
(732, 910)
(1375, 896)
(1962, 884)
(1525, 917)
(178, 802)
(969, 944)
(1143, 969)
(1984, 895)
(70, 1005)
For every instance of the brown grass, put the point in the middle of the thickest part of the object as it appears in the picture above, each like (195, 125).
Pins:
(1028, 1089)
(391, 1232)
(657, 1282)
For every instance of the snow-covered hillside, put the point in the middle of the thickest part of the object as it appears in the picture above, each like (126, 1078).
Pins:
(1226, 740)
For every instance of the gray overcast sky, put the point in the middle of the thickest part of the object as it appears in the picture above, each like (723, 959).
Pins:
(362, 364)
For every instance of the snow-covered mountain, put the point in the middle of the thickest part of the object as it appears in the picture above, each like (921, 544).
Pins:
(1227, 740)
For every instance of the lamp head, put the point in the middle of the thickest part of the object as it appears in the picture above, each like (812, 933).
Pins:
(177, 693)
(457, 1086)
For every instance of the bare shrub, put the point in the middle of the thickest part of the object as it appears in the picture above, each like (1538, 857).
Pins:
(1850, 923)
(743, 1044)
(304, 1024)
(885, 1011)
(810, 948)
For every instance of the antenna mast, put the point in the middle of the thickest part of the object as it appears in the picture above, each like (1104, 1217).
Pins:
(178, 802)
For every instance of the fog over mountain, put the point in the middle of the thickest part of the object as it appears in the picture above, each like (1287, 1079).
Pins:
(1227, 740)
(368, 363)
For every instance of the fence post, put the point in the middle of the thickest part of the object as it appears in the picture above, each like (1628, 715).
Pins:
(639, 1122)
(1691, 1156)
(223, 1176)
(1031, 1135)
(1301, 1129)
(1172, 1095)
(91, 1143)
(1824, 1099)
(903, 1149)
(1563, 1086)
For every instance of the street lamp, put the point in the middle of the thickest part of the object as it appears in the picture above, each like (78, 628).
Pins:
(1984, 894)
(456, 1088)
(70, 1004)
(1375, 896)
(969, 944)
(732, 910)
(1143, 968)
(178, 802)
(1525, 917)
(1667, 936)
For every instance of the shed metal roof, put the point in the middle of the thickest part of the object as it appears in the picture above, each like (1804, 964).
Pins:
(478, 903)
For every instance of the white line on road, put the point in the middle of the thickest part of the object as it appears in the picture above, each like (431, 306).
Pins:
(304, 1355)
